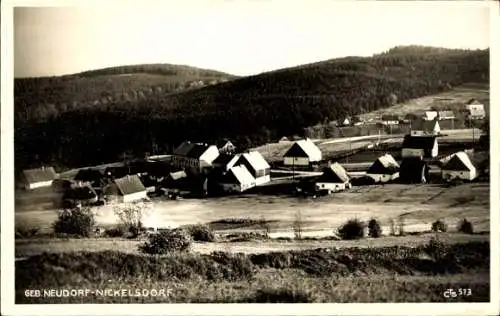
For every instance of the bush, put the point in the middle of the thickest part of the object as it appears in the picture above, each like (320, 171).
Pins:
(130, 216)
(353, 229)
(436, 249)
(26, 232)
(374, 229)
(465, 227)
(201, 233)
(118, 231)
(75, 222)
(166, 241)
(439, 226)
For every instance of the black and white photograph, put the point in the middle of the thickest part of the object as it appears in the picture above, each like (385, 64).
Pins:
(249, 152)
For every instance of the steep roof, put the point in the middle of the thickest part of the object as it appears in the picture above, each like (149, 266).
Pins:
(334, 173)
(303, 148)
(191, 150)
(460, 161)
(129, 185)
(240, 174)
(385, 164)
(473, 101)
(419, 142)
(223, 159)
(40, 174)
(256, 160)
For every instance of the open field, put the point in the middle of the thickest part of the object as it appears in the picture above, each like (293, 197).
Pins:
(417, 205)
(386, 274)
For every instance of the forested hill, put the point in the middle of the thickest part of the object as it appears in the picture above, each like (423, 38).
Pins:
(249, 110)
(37, 96)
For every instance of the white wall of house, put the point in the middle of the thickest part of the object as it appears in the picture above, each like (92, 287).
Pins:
(297, 161)
(383, 177)
(236, 187)
(262, 180)
(334, 187)
(35, 185)
(412, 152)
(463, 175)
(209, 156)
(135, 196)
(435, 149)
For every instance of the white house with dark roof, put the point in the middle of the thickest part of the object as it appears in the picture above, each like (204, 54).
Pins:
(194, 156)
(422, 146)
(256, 165)
(126, 189)
(430, 115)
(384, 169)
(446, 115)
(459, 166)
(333, 179)
(226, 147)
(475, 109)
(237, 179)
(38, 178)
(302, 153)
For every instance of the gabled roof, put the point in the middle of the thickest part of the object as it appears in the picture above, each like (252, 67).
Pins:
(240, 174)
(303, 148)
(223, 143)
(40, 174)
(419, 142)
(334, 173)
(385, 164)
(460, 161)
(473, 101)
(430, 114)
(223, 159)
(129, 185)
(256, 160)
(191, 150)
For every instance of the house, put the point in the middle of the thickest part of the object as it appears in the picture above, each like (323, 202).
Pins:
(117, 172)
(424, 127)
(302, 153)
(414, 170)
(475, 109)
(226, 147)
(284, 139)
(446, 115)
(224, 162)
(126, 189)
(91, 177)
(256, 164)
(83, 195)
(430, 115)
(194, 156)
(333, 179)
(38, 178)
(176, 179)
(390, 119)
(384, 169)
(345, 122)
(459, 167)
(237, 179)
(423, 146)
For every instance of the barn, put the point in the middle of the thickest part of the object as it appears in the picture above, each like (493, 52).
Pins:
(194, 156)
(419, 146)
(333, 179)
(38, 178)
(424, 127)
(302, 153)
(384, 169)
(459, 167)
(90, 176)
(126, 189)
(256, 165)
(414, 170)
(237, 179)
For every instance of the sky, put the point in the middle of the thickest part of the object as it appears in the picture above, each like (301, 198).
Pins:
(241, 37)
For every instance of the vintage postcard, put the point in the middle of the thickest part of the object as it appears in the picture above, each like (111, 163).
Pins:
(250, 157)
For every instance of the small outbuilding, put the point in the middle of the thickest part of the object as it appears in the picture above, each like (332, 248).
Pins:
(302, 153)
(127, 189)
(422, 146)
(237, 179)
(333, 179)
(39, 177)
(384, 169)
(459, 167)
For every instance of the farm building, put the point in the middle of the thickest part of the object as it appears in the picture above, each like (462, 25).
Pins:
(256, 164)
(194, 156)
(446, 115)
(226, 147)
(83, 195)
(176, 179)
(237, 179)
(345, 122)
(423, 127)
(126, 189)
(384, 169)
(302, 153)
(475, 109)
(333, 179)
(430, 115)
(390, 119)
(284, 139)
(420, 146)
(38, 178)
(224, 162)
(414, 170)
(459, 167)
(92, 177)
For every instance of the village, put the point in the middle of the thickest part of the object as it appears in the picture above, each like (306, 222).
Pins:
(201, 170)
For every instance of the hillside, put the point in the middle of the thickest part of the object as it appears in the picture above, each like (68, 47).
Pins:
(250, 110)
